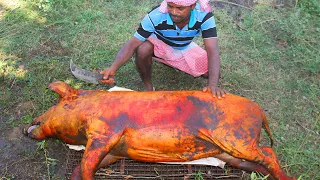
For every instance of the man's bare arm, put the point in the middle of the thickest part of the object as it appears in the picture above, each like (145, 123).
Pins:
(211, 46)
(124, 54)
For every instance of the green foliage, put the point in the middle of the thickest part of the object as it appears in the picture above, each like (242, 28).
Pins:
(24, 120)
(273, 58)
(42, 145)
(15, 15)
(45, 5)
(258, 176)
(295, 35)
(50, 5)
(310, 6)
(198, 176)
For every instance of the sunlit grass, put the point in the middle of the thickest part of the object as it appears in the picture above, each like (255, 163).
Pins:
(11, 4)
(20, 9)
(9, 67)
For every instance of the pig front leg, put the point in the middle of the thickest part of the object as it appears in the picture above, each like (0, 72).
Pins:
(109, 159)
(97, 149)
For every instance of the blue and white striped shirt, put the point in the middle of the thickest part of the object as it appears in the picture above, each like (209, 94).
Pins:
(162, 27)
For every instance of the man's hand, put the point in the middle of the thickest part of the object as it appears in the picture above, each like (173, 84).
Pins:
(220, 93)
(106, 73)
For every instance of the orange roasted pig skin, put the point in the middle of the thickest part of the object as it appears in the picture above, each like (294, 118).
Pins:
(159, 126)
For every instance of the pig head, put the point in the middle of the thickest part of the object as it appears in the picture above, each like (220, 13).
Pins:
(160, 126)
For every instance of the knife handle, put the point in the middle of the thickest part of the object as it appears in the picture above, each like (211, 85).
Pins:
(100, 77)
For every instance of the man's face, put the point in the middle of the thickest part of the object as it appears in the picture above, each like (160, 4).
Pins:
(179, 13)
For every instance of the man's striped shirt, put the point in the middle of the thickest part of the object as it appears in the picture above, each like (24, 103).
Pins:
(162, 27)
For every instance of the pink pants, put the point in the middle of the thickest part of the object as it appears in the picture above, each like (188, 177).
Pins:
(192, 60)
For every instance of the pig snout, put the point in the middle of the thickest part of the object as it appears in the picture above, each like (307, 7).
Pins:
(28, 129)
(31, 128)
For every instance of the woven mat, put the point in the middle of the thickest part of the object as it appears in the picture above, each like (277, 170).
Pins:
(130, 169)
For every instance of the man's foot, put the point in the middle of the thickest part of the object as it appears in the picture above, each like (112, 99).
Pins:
(205, 75)
(149, 87)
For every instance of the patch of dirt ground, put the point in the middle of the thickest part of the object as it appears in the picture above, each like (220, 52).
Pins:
(22, 157)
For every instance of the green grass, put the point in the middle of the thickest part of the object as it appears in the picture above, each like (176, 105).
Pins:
(273, 58)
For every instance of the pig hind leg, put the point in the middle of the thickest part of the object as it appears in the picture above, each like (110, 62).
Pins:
(266, 157)
(244, 165)
(109, 159)
(271, 162)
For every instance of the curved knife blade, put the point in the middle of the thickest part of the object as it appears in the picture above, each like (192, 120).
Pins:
(85, 75)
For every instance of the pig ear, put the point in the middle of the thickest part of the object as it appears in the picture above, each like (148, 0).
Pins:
(62, 88)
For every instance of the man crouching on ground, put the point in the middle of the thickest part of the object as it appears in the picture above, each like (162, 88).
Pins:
(165, 34)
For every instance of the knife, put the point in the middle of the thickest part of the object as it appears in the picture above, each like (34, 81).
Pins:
(88, 76)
